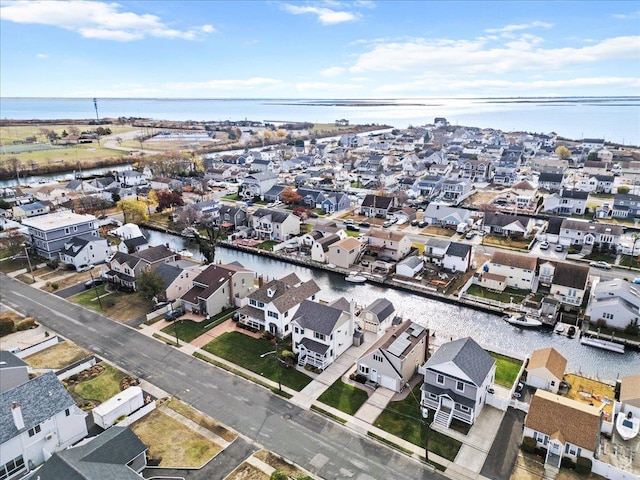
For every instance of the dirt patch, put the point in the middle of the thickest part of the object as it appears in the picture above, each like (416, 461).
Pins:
(279, 463)
(171, 443)
(247, 471)
(58, 356)
(201, 419)
(480, 198)
(443, 232)
(63, 279)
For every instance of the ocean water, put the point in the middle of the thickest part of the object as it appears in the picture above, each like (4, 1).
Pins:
(616, 119)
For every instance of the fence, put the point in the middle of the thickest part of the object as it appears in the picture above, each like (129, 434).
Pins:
(38, 347)
(76, 367)
(609, 471)
(485, 301)
(138, 414)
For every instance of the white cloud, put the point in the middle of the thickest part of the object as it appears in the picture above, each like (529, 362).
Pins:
(42, 55)
(521, 26)
(323, 87)
(90, 19)
(326, 16)
(333, 71)
(626, 16)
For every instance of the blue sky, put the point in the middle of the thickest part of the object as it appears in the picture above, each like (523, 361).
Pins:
(329, 49)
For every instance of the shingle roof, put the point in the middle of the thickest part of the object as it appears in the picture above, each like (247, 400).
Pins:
(154, 254)
(630, 389)
(287, 292)
(513, 260)
(317, 317)
(39, 400)
(377, 201)
(577, 194)
(550, 359)
(104, 457)
(570, 275)
(460, 250)
(467, 355)
(382, 308)
(550, 178)
(579, 424)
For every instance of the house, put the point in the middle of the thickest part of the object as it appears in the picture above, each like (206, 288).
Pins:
(344, 252)
(628, 397)
(378, 316)
(85, 249)
(217, 288)
(388, 243)
(570, 202)
(551, 181)
(257, 184)
(272, 305)
(377, 206)
(563, 427)
(49, 233)
(508, 225)
(410, 266)
(570, 284)
(15, 371)
(394, 359)
(335, 202)
(516, 271)
(124, 267)
(546, 369)
(615, 302)
(454, 191)
(37, 417)
(231, 217)
(131, 178)
(115, 453)
(523, 194)
(435, 250)
(133, 244)
(626, 205)
(457, 257)
(277, 225)
(28, 210)
(597, 183)
(456, 380)
(321, 333)
(583, 232)
(430, 186)
(446, 216)
(176, 279)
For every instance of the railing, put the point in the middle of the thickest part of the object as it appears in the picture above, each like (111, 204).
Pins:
(487, 301)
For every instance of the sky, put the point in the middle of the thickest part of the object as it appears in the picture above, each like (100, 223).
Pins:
(319, 49)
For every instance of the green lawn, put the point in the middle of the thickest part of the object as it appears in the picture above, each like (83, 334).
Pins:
(507, 369)
(344, 397)
(188, 329)
(103, 387)
(245, 352)
(11, 265)
(404, 419)
(505, 296)
(629, 261)
(268, 245)
(500, 241)
(89, 299)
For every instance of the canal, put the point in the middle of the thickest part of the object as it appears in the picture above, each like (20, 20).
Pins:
(446, 320)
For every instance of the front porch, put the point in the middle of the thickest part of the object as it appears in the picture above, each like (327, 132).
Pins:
(313, 353)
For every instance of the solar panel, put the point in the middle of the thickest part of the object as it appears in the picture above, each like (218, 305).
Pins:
(400, 345)
(417, 330)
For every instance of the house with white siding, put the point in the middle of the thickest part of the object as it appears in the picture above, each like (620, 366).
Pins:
(388, 243)
(546, 369)
(513, 270)
(584, 232)
(344, 252)
(615, 302)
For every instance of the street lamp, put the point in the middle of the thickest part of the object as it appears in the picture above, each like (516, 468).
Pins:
(26, 251)
(278, 370)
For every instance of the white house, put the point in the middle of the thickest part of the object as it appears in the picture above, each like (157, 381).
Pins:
(616, 302)
(275, 225)
(583, 232)
(388, 243)
(516, 271)
(321, 333)
(457, 257)
(85, 250)
(435, 250)
(410, 266)
(377, 316)
(345, 252)
(546, 369)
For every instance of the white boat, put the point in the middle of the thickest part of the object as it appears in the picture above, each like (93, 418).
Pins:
(355, 278)
(603, 344)
(522, 321)
(627, 426)
(185, 253)
(559, 328)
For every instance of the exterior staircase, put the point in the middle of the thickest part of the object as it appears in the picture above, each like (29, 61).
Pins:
(443, 418)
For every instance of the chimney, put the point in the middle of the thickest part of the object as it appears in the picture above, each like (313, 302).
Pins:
(17, 415)
(260, 281)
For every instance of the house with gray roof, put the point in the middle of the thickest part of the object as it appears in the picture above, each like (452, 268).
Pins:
(272, 305)
(377, 316)
(551, 181)
(176, 280)
(586, 233)
(458, 257)
(278, 225)
(37, 418)
(115, 453)
(13, 369)
(321, 333)
(124, 267)
(444, 215)
(394, 359)
(457, 378)
(410, 266)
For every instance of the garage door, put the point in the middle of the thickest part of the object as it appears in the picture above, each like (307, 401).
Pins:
(388, 382)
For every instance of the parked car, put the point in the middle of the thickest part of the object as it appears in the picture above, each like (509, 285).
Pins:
(422, 224)
(559, 248)
(387, 224)
(313, 215)
(84, 268)
(544, 246)
(364, 225)
(600, 264)
(173, 314)
(96, 282)
(353, 228)
(414, 223)
(470, 235)
(349, 221)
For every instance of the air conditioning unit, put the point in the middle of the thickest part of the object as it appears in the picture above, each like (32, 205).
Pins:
(48, 436)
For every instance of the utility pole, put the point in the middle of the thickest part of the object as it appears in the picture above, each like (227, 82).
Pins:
(95, 105)
(95, 287)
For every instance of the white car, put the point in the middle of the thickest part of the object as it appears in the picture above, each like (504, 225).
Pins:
(600, 264)
(84, 268)
(544, 246)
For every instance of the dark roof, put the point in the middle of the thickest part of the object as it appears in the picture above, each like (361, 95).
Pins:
(377, 201)
(570, 275)
(123, 258)
(577, 194)
(550, 178)
(39, 400)
(168, 273)
(460, 250)
(135, 242)
(341, 303)
(104, 457)
(154, 254)
(502, 220)
(317, 317)
(9, 360)
(314, 346)
(76, 244)
(287, 292)
(554, 225)
(277, 216)
(467, 355)
(381, 307)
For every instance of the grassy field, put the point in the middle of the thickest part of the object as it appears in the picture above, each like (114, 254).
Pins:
(102, 387)
(117, 305)
(173, 443)
(344, 397)
(8, 135)
(245, 351)
(58, 356)
(507, 369)
(189, 329)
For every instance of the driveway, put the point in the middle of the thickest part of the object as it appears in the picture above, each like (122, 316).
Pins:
(70, 291)
(504, 451)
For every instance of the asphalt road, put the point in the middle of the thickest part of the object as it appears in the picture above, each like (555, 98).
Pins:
(321, 446)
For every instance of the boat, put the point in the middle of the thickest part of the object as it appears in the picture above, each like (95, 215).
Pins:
(603, 344)
(627, 425)
(522, 321)
(355, 278)
(559, 328)
(185, 253)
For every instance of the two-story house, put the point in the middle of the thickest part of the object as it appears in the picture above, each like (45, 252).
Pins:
(388, 243)
(583, 232)
(257, 184)
(456, 380)
(272, 305)
(615, 302)
(231, 217)
(321, 333)
(435, 250)
(511, 269)
(85, 250)
(124, 267)
(335, 202)
(49, 233)
(454, 191)
(276, 225)
(551, 182)
(563, 427)
(37, 417)
(344, 252)
(570, 284)
(377, 206)
(395, 357)
(176, 279)
(626, 205)
(216, 288)
(457, 257)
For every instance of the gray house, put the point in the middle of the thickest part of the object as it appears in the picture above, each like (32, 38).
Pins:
(49, 233)
(456, 380)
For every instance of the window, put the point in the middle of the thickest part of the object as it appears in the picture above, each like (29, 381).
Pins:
(34, 430)
(272, 314)
(11, 467)
(464, 408)
(460, 386)
(319, 336)
(364, 369)
(433, 396)
(440, 379)
(296, 329)
(253, 302)
(67, 412)
(66, 230)
(377, 358)
(541, 437)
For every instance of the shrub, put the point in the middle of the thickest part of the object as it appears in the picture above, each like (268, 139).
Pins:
(278, 475)
(54, 286)
(7, 326)
(360, 378)
(528, 444)
(601, 322)
(566, 462)
(583, 465)
(26, 324)
(53, 264)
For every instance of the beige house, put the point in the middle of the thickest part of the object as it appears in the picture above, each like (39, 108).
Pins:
(563, 427)
(396, 356)
(546, 369)
(387, 243)
(377, 316)
(518, 271)
(344, 253)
